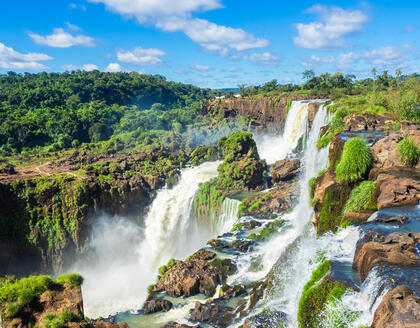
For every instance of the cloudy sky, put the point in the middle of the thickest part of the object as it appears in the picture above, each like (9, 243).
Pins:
(211, 43)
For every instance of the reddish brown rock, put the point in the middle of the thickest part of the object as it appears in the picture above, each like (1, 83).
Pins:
(401, 188)
(284, 170)
(335, 150)
(365, 122)
(196, 275)
(399, 309)
(398, 249)
(357, 217)
(384, 151)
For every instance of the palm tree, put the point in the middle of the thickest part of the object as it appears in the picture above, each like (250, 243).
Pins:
(398, 73)
(373, 71)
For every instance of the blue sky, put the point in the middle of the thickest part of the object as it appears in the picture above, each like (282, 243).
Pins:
(211, 43)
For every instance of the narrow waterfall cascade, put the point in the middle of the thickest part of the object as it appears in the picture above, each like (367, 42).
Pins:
(224, 222)
(127, 255)
(296, 127)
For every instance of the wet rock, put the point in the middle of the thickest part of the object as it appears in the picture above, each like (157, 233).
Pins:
(335, 150)
(391, 219)
(251, 224)
(105, 324)
(159, 305)
(284, 170)
(267, 318)
(227, 291)
(195, 275)
(395, 191)
(312, 110)
(397, 248)
(323, 130)
(178, 325)
(357, 217)
(365, 122)
(399, 309)
(211, 313)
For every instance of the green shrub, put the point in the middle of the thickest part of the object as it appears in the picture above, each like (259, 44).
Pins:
(24, 289)
(11, 310)
(73, 279)
(164, 268)
(317, 293)
(408, 151)
(69, 316)
(355, 160)
(51, 320)
(311, 183)
(150, 288)
(26, 296)
(361, 198)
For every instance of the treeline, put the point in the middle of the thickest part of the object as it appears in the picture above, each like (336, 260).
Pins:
(57, 111)
(331, 85)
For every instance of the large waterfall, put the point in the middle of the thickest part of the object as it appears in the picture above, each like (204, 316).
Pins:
(127, 255)
(124, 257)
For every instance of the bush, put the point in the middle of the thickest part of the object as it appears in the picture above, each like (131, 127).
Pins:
(73, 279)
(11, 310)
(24, 289)
(408, 151)
(361, 198)
(355, 160)
(311, 183)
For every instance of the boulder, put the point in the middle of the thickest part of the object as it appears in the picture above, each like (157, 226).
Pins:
(335, 150)
(178, 325)
(284, 170)
(357, 217)
(158, 305)
(396, 189)
(195, 275)
(398, 309)
(211, 313)
(384, 151)
(365, 122)
(397, 249)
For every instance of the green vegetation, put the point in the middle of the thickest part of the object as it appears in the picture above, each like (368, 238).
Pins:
(164, 268)
(204, 153)
(12, 310)
(408, 151)
(318, 292)
(52, 320)
(74, 280)
(24, 290)
(335, 126)
(355, 160)
(208, 200)
(311, 184)
(361, 198)
(269, 230)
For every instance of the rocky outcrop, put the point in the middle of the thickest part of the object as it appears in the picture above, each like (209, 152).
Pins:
(264, 112)
(199, 274)
(284, 170)
(335, 150)
(397, 248)
(398, 187)
(398, 309)
(329, 198)
(384, 151)
(211, 313)
(158, 305)
(365, 122)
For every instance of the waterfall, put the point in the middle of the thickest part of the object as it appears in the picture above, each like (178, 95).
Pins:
(228, 217)
(295, 128)
(123, 257)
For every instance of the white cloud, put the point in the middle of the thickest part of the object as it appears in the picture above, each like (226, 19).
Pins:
(141, 56)
(73, 27)
(76, 6)
(234, 69)
(346, 60)
(179, 72)
(85, 67)
(315, 60)
(114, 67)
(11, 59)
(200, 68)
(265, 58)
(384, 56)
(327, 33)
(62, 39)
(175, 16)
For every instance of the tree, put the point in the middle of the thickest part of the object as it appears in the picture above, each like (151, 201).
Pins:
(308, 74)
(373, 71)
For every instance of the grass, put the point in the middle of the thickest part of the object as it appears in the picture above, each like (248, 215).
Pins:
(361, 198)
(24, 290)
(408, 151)
(355, 161)
(317, 293)
(164, 268)
(75, 280)
(52, 320)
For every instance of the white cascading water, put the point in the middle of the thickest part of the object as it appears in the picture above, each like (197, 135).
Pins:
(124, 257)
(228, 217)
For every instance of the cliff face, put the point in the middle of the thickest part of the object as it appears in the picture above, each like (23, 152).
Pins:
(45, 220)
(267, 112)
